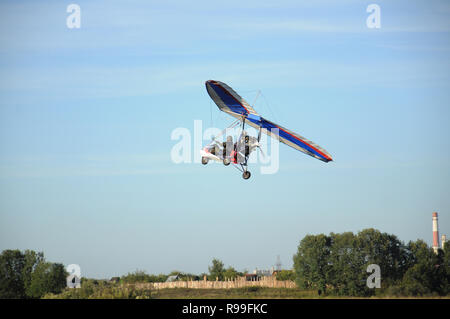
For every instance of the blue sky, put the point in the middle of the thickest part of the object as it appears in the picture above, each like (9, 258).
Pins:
(87, 114)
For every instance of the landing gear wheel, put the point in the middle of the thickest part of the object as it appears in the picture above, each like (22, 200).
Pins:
(205, 160)
(246, 175)
(226, 161)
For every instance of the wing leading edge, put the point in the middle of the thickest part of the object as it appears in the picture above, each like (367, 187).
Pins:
(227, 99)
(290, 138)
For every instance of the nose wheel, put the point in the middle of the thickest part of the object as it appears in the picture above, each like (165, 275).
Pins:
(246, 175)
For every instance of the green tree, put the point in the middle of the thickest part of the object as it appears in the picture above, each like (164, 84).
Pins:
(32, 259)
(12, 263)
(385, 250)
(216, 270)
(28, 275)
(57, 278)
(160, 278)
(47, 278)
(142, 276)
(347, 271)
(311, 263)
(286, 275)
(136, 276)
(230, 273)
(446, 265)
(339, 262)
(428, 272)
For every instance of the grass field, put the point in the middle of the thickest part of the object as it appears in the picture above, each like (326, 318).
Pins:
(235, 293)
(254, 293)
(130, 292)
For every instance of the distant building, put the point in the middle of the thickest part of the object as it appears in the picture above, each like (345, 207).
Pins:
(257, 274)
(173, 278)
(263, 272)
(252, 277)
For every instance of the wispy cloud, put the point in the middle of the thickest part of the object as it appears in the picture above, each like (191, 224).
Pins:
(142, 81)
(41, 26)
(87, 165)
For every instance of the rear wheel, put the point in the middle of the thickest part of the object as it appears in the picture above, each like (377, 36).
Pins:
(246, 175)
(205, 160)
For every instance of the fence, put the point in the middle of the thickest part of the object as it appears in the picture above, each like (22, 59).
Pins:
(240, 282)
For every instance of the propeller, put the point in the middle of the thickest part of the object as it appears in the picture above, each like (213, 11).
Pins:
(260, 149)
(259, 145)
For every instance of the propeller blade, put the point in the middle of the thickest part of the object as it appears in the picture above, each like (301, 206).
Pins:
(260, 149)
(262, 153)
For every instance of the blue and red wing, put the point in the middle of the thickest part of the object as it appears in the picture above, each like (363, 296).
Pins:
(227, 99)
(230, 102)
(290, 138)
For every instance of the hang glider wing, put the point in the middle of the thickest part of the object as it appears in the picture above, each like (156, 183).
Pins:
(289, 138)
(230, 102)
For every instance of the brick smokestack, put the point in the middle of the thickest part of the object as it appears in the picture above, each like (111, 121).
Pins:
(443, 241)
(435, 232)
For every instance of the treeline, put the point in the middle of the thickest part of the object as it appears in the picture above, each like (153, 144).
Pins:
(28, 275)
(337, 265)
(331, 265)
(217, 270)
(92, 288)
(142, 276)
